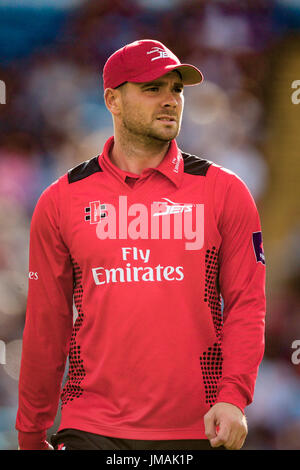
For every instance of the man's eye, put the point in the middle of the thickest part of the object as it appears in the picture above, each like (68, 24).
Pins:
(179, 90)
(153, 88)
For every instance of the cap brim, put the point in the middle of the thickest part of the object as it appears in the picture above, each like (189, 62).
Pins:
(190, 74)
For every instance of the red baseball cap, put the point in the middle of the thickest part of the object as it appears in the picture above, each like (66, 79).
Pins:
(144, 61)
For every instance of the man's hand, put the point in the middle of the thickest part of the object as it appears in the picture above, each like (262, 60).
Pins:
(226, 425)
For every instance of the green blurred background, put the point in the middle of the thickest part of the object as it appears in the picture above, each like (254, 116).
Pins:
(244, 117)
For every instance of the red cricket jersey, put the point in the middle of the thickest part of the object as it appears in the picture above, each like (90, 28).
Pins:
(167, 274)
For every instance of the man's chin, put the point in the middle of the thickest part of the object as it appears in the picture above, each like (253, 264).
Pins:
(164, 136)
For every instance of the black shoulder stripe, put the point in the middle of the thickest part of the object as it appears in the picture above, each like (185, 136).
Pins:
(195, 165)
(83, 170)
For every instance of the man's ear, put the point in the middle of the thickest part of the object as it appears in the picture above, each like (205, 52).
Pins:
(112, 99)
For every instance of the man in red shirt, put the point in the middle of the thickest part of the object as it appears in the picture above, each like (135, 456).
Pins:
(161, 253)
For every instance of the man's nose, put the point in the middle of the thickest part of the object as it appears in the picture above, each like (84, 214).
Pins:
(170, 99)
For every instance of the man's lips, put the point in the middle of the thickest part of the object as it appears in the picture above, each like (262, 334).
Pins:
(167, 118)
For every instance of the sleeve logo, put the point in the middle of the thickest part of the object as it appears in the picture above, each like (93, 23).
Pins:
(258, 247)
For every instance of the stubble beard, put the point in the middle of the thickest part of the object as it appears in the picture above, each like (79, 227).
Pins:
(148, 135)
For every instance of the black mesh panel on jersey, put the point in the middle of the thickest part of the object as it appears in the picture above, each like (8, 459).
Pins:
(77, 372)
(212, 359)
(211, 367)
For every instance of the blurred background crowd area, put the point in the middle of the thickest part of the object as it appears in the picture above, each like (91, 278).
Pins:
(242, 117)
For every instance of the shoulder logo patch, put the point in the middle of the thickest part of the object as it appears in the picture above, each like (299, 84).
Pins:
(258, 247)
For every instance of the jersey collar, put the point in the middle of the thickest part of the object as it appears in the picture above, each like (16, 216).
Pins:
(171, 166)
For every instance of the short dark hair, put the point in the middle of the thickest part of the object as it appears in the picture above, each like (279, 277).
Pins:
(178, 74)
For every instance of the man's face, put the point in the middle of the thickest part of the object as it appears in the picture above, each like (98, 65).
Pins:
(153, 109)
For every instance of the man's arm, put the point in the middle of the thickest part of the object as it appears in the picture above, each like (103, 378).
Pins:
(242, 286)
(48, 324)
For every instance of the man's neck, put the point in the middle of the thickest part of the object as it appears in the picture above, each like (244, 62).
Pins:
(135, 157)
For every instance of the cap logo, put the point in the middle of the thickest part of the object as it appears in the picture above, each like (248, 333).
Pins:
(161, 53)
